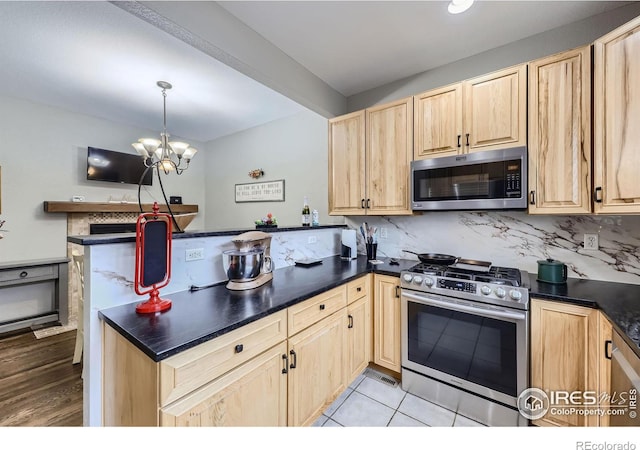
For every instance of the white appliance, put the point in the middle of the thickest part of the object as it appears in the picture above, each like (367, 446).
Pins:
(349, 247)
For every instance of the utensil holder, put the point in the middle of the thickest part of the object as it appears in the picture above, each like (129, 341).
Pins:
(371, 251)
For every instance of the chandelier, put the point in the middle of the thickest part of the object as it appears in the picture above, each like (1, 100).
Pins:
(161, 153)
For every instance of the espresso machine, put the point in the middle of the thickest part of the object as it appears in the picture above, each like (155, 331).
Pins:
(249, 265)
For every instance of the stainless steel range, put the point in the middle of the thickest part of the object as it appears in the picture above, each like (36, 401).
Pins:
(465, 339)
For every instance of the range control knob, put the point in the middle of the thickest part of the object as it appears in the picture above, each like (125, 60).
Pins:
(428, 281)
(417, 279)
(407, 277)
(500, 293)
(486, 290)
(516, 295)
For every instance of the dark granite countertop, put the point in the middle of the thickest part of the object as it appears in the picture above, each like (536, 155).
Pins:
(620, 302)
(198, 316)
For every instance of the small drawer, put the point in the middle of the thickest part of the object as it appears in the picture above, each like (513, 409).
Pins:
(188, 370)
(28, 274)
(357, 289)
(316, 308)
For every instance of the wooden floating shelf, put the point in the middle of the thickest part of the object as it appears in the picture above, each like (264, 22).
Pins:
(108, 207)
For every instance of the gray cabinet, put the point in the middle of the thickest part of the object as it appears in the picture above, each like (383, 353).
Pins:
(32, 293)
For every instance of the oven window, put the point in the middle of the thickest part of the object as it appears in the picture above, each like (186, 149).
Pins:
(474, 348)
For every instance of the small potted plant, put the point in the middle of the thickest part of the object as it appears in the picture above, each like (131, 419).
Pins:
(267, 222)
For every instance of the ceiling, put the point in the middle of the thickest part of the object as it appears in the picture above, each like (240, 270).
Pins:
(95, 58)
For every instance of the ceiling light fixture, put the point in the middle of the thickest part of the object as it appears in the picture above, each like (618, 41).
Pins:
(161, 153)
(459, 6)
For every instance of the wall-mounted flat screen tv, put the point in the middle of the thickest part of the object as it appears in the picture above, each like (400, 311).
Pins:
(116, 167)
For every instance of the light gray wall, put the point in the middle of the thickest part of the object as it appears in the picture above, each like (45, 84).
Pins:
(293, 149)
(544, 44)
(212, 29)
(43, 158)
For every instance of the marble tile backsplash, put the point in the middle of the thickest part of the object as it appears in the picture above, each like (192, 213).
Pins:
(516, 239)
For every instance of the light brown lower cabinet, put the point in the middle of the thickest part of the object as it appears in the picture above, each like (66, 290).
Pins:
(316, 370)
(386, 322)
(568, 345)
(283, 369)
(254, 394)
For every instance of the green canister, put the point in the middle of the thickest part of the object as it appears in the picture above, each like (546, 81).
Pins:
(552, 271)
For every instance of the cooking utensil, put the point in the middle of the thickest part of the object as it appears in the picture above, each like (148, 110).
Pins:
(447, 260)
(552, 271)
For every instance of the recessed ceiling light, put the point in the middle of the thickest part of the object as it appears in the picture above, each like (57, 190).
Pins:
(458, 6)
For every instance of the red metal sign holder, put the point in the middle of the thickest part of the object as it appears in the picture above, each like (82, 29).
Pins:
(153, 259)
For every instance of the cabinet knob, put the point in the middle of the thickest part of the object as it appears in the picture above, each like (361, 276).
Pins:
(23, 274)
(359, 289)
(322, 307)
(239, 348)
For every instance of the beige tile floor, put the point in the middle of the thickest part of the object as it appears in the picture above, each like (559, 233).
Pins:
(369, 402)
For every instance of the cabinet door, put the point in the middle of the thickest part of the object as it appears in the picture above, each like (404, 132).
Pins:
(616, 119)
(316, 371)
(495, 110)
(389, 153)
(386, 322)
(358, 351)
(347, 164)
(438, 122)
(564, 340)
(254, 394)
(560, 133)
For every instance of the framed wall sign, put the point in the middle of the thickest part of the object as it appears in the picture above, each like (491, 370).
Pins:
(263, 191)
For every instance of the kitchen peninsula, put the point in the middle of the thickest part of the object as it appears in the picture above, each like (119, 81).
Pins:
(202, 316)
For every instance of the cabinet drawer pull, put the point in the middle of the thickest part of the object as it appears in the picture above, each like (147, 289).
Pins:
(294, 359)
(350, 321)
(322, 307)
(23, 274)
(239, 348)
(359, 289)
(532, 197)
(285, 359)
(607, 348)
(597, 198)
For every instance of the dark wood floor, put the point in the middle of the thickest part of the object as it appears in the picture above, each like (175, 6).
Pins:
(38, 384)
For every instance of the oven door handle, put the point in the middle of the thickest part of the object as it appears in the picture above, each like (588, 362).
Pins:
(495, 314)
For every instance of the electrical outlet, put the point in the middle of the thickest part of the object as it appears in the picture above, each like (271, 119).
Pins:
(591, 242)
(193, 254)
(312, 240)
(383, 233)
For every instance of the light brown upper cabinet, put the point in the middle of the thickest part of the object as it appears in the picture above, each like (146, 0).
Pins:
(617, 120)
(483, 113)
(560, 133)
(438, 122)
(370, 152)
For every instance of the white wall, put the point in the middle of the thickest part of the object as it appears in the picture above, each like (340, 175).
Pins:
(544, 44)
(43, 158)
(293, 149)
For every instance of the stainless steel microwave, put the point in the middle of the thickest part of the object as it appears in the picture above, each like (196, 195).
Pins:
(493, 179)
